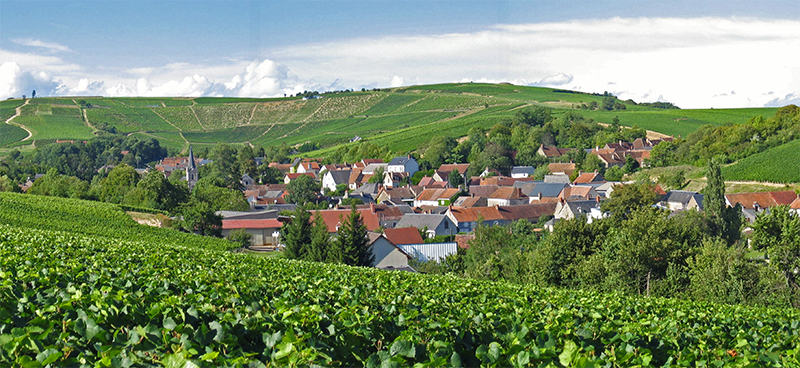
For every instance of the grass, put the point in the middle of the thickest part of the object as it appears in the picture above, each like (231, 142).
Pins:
(180, 116)
(779, 164)
(129, 119)
(233, 135)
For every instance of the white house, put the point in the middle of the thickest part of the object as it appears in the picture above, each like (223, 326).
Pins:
(522, 171)
(332, 178)
(403, 164)
(388, 256)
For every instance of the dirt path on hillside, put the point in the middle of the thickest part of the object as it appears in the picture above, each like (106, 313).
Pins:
(307, 119)
(196, 117)
(18, 112)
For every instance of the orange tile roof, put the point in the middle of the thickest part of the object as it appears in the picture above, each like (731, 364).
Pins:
(531, 212)
(592, 177)
(561, 167)
(795, 204)
(508, 193)
(293, 176)
(436, 194)
(462, 168)
(473, 213)
(335, 218)
(403, 235)
(764, 199)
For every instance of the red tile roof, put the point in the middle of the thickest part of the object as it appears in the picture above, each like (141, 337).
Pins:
(403, 235)
(251, 224)
(560, 167)
(436, 194)
(592, 177)
(335, 218)
(795, 204)
(763, 199)
(293, 176)
(462, 168)
(508, 193)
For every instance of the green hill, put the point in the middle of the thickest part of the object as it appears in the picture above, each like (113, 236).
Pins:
(399, 119)
(110, 297)
(779, 164)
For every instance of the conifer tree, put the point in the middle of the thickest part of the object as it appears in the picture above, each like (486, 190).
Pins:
(725, 222)
(352, 244)
(297, 234)
(320, 241)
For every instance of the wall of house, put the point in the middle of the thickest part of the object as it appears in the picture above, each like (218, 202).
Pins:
(387, 255)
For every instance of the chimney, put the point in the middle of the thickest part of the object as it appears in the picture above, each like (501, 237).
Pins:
(372, 207)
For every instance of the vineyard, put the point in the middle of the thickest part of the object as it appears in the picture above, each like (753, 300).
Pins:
(398, 118)
(780, 164)
(114, 294)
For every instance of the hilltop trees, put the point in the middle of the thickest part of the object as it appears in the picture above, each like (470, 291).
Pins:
(311, 241)
(302, 190)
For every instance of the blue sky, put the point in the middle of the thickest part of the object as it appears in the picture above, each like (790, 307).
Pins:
(696, 54)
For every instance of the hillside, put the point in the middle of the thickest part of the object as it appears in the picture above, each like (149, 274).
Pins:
(116, 298)
(779, 164)
(399, 119)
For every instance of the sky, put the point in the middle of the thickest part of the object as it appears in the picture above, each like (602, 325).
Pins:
(696, 54)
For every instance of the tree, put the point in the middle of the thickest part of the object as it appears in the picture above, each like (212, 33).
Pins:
(33, 94)
(240, 236)
(320, 242)
(270, 175)
(225, 165)
(535, 117)
(614, 173)
(199, 217)
(631, 165)
(8, 185)
(377, 176)
(246, 162)
(455, 179)
(119, 182)
(352, 244)
(212, 190)
(155, 191)
(778, 233)
(724, 221)
(627, 198)
(302, 190)
(297, 234)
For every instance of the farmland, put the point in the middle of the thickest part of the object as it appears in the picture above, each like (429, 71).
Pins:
(106, 291)
(398, 118)
(779, 164)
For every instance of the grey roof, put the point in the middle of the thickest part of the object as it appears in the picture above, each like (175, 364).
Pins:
(683, 196)
(522, 170)
(532, 189)
(556, 178)
(369, 169)
(368, 188)
(340, 176)
(400, 160)
(420, 221)
(272, 194)
(429, 251)
(578, 207)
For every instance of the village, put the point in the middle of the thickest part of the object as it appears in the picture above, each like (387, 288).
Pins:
(433, 218)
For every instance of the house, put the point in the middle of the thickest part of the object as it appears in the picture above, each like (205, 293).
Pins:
(396, 195)
(264, 232)
(760, 200)
(482, 190)
(336, 217)
(247, 181)
(374, 167)
(403, 164)
(388, 256)
(795, 206)
(557, 178)
(466, 219)
(529, 212)
(539, 191)
(430, 252)
(394, 179)
(368, 192)
(433, 224)
(681, 200)
(403, 235)
(443, 173)
(522, 171)
(561, 168)
(578, 193)
(471, 201)
(551, 151)
(567, 210)
(507, 196)
(308, 167)
(291, 176)
(332, 178)
(436, 197)
(357, 178)
(591, 177)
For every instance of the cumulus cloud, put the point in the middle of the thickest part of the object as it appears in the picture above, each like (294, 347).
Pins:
(15, 82)
(789, 99)
(52, 46)
(559, 79)
(397, 81)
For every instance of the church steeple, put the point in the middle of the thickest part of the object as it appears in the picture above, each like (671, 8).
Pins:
(191, 170)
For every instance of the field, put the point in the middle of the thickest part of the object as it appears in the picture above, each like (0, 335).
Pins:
(399, 118)
(105, 291)
(779, 164)
(8, 109)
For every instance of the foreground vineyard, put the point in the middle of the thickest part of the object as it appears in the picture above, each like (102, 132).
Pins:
(71, 299)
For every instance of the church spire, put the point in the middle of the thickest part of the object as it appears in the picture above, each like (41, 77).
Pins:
(191, 170)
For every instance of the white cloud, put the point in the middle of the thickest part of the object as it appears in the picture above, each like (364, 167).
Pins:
(397, 81)
(52, 46)
(15, 82)
(559, 79)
